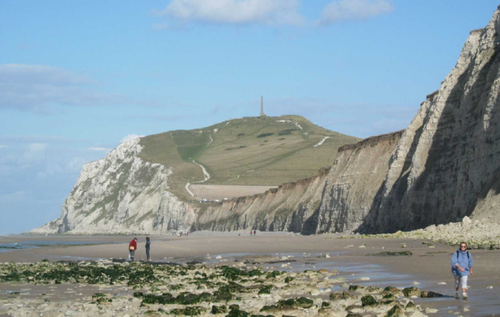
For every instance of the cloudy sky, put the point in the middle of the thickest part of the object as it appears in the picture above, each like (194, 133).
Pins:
(79, 77)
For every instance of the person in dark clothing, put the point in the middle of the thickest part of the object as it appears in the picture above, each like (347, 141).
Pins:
(148, 246)
(254, 232)
(132, 246)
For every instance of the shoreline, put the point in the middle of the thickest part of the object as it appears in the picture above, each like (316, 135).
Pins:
(428, 265)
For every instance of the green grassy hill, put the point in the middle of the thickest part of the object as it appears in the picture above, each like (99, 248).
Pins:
(246, 151)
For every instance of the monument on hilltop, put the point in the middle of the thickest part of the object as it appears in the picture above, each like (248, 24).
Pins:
(262, 114)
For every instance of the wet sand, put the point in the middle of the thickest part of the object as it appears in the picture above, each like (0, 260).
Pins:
(427, 266)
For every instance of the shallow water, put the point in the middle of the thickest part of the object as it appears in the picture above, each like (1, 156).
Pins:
(481, 302)
(7, 247)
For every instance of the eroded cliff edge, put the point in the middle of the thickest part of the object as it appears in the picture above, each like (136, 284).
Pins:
(121, 194)
(444, 166)
(447, 163)
(286, 208)
(337, 200)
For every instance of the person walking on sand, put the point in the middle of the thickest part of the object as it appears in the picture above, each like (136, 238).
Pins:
(148, 246)
(254, 232)
(461, 266)
(250, 233)
(132, 246)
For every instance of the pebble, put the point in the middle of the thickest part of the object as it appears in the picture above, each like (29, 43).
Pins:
(442, 283)
(416, 283)
(364, 279)
(490, 287)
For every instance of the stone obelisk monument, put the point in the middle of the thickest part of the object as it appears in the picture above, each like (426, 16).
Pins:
(262, 114)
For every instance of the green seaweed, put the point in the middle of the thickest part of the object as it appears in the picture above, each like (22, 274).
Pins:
(389, 253)
(188, 311)
(266, 289)
(288, 304)
(368, 301)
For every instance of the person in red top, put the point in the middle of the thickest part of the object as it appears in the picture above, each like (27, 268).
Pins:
(132, 246)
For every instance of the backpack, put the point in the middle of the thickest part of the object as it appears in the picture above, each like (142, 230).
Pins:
(468, 256)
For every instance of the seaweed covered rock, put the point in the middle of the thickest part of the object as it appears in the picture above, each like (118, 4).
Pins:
(101, 298)
(396, 311)
(356, 288)
(430, 294)
(368, 301)
(289, 304)
(193, 290)
(265, 290)
(389, 253)
(236, 312)
(411, 291)
(188, 311)
(339, 295)
(410, 306)
(218, 309)
(392, 290)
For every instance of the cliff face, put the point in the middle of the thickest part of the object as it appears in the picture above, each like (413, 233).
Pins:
(444, 166)
(284, 209)
(337, 200)
(352, 184)
(121, 194)
(447, 165)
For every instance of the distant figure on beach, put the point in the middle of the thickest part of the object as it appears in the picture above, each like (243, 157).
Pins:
(250, 232)
(461, 266)
(132, 246)
(254, 232)
(148, 247)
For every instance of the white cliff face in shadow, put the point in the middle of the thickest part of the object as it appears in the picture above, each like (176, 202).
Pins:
(121, 194)
(448, 159)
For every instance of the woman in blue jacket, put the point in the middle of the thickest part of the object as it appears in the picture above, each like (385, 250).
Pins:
(461, 266)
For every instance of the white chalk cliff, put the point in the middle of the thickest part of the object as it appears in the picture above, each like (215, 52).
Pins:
(443, 167)
(121, 194)
(448, 160)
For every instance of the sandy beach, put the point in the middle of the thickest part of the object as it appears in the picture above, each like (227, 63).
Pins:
(427, 268)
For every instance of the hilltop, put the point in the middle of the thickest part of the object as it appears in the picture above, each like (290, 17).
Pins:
(256, 151)
(443, 167)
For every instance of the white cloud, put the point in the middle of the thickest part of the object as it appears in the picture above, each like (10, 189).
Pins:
(35, 151)
(50, 170)
(131, 137)
(3, 146)
(74, 165)
(16, 73)
(160, 26)
(271, 12)
(36, 87)
(99, 149)
(348, 10)
(13, 197)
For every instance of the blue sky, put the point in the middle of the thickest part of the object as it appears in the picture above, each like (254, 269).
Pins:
(78, 77)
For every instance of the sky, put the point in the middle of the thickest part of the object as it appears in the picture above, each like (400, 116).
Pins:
(79, 77)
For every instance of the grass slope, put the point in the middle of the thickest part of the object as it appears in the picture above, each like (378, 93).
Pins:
(247, 151)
